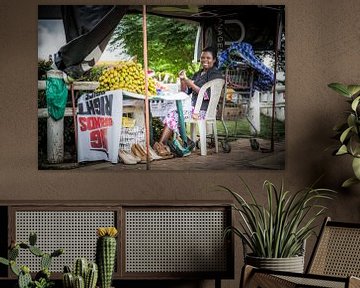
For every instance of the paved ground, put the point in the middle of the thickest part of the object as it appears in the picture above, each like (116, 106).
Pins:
(241, 157)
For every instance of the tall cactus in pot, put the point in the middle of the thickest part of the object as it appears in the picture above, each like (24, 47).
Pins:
(106, 254)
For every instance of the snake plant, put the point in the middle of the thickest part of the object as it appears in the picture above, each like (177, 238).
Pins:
(279, 228)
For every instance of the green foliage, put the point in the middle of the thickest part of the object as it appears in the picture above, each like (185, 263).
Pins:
(170, 42)
(105, 259)
(241, 127)
(42, 278)
(279, 229)
(43, 67)
(349, 131)
(43, 283)
(94, 73)
(84, 275)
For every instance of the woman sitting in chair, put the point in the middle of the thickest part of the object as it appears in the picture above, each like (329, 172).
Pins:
(206, 73)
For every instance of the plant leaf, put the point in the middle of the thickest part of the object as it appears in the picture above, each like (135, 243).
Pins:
(354, 146)
(355, 103)
(4, 261)
(344, 134)
(342, 150)
(356, 167)
(349, 182)
(351, 120)
(340, 88)
(353, 89)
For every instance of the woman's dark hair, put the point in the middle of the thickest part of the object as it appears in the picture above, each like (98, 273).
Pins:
(212, 50)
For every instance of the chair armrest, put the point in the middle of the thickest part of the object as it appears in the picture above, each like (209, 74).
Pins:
(200, 96)
(354, 282)
(254, 277)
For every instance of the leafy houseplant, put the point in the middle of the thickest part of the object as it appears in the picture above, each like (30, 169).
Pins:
(279, 229)
(349, 132)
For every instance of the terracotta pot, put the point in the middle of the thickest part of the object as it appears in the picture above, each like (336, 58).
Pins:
(291, 264)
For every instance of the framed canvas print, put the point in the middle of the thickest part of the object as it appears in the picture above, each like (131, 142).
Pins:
(156, 87)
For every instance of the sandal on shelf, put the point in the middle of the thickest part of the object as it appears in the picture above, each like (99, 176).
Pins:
(126, 158)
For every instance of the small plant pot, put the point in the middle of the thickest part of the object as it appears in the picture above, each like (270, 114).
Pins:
(291, 264)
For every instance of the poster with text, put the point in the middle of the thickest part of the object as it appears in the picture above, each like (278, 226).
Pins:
(99, 126)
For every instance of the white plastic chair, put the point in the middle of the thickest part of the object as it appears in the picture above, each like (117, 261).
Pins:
(216, 87)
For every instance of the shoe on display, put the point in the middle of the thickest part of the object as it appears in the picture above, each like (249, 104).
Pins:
(159, 150)
(126, 158)
(138, 159)
(138, 153)
(143, 150)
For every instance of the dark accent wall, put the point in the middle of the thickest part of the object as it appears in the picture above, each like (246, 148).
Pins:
(322, 46)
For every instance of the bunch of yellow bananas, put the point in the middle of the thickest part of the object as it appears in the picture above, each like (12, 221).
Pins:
(126, 75)
(106, 231)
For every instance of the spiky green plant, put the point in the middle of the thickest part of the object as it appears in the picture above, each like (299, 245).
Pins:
(349, 132)
(85, 274)
(279, 229)
(106, 254)
(42, 278)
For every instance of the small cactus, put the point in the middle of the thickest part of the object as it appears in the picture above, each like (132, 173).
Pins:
(36, 251)
(32, 239)
(45, 261)
(84, 274)
(68, 280)
(14, 268)
(13, 253)
(24, 280)
(23, 273)
(106, 254)
(81, 265)
(79, 282)
(91, 275)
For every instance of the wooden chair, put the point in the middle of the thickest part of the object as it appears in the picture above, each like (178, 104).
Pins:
(335, 262)
(216, 87)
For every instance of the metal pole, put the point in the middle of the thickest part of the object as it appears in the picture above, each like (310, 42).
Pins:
(147, 118)
(74, 115)
(274, 86)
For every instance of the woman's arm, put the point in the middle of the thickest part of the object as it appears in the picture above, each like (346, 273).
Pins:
(189, 83)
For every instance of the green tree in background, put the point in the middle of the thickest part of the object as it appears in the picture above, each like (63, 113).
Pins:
(170, 42)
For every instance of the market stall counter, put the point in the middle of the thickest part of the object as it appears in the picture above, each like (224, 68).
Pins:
(100, 122)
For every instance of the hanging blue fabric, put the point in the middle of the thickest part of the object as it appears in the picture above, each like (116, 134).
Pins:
(264, 77)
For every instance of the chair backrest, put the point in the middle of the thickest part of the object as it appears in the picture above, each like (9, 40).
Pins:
(337, 251)
(216, 87)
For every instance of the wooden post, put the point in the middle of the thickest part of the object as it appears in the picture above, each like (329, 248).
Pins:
(55, 131)
(55, 140)
(254, 113)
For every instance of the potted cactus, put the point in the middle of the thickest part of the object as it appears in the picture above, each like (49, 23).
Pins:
(84, 275)
(42, 278)
(106, 254)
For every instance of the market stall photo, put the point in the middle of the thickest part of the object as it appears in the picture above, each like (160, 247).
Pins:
(190, 87)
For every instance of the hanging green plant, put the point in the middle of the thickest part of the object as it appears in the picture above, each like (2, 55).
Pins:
(349, 131)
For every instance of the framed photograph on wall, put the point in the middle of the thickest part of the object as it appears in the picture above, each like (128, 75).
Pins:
(157, 87)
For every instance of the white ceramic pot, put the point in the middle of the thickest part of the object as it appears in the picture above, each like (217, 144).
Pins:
(291, 264)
